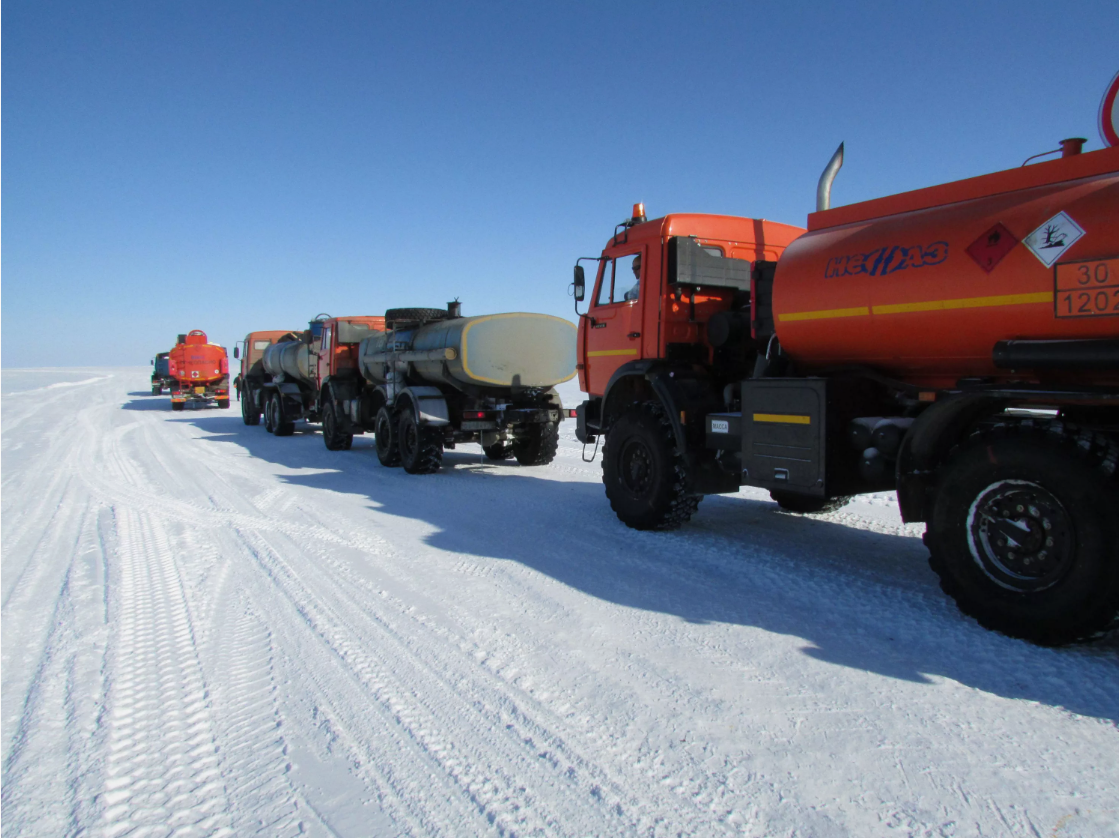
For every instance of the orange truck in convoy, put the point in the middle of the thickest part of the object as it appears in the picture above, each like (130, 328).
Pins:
(250, 381)
(958, 344)
(198, 372)
(306, 372)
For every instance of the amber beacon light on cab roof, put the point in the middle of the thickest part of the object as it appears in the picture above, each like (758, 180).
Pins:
(959, 344)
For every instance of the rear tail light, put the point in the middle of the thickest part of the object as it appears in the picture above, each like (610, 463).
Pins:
(474, 414)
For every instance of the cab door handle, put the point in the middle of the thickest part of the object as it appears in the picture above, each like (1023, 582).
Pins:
(633, 335)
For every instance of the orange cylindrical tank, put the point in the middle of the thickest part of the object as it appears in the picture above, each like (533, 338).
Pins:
(923, 285)
(197, 362)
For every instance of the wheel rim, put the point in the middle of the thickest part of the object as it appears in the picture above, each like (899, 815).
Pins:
(636, 467)
(1021, 535)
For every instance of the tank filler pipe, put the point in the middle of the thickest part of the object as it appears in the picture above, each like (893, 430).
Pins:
(823, 188)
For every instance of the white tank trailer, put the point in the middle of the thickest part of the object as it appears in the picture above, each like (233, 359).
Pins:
(435, 379)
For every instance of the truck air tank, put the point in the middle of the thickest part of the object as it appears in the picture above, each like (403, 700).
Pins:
(489, 351)
(924, 284)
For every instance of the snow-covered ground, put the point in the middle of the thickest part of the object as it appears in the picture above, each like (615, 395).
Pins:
(209, 630)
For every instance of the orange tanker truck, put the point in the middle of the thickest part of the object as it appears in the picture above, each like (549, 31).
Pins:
(959, 344)
(198, 372)
(250, 381)
(303, 373)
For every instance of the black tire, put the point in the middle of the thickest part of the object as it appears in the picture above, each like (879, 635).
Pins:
(269, 419)
(384, 429)
(281, 425)
(1023, 533)
(156, 390)
(414, 315)
(333, 436)
(178, 405)
(792, 502)
(537, 444)
(223, 404)
(500, 450)
(421, 447)
(250, 413)
(646, 477)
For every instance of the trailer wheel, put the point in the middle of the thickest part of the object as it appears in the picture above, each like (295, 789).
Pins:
(250, 413)
(384, 429)
(646, 477)
(281, 426)
(538, 445)
(177, 405)
(792, 502)
(223, 404)
(1023, 533)
(334, 438)
(421, 448)
(500, 450)
(156, 389)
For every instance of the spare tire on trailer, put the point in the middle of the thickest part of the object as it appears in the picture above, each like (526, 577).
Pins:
(414, 315)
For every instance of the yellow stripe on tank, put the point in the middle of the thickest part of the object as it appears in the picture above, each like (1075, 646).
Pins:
(827, 314)
(783, 418)
(928, 305)
(967, 302)
(601, 353)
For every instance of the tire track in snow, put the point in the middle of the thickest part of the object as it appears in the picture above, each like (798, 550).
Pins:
(50, 788)
(162, 769)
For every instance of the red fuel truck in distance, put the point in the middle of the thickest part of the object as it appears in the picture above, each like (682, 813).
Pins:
(959, 344)
(199, 372)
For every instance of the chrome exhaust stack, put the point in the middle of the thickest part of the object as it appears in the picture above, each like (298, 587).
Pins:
(823, 188)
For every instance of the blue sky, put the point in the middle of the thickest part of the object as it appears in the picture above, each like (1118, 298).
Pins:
(241, 165)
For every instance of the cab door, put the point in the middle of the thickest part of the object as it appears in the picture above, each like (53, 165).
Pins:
(613, 324)
(325, 355)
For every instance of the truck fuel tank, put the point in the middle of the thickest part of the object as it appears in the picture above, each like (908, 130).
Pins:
(925, 284)
(516, 349)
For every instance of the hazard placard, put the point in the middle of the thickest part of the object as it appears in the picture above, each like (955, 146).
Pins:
(1049, 241)
(989, 248)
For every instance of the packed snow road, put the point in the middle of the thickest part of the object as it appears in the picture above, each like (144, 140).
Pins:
(208, 630)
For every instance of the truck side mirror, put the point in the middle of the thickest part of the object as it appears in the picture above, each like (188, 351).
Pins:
(236, 352)
(153, 362)
(580, 284)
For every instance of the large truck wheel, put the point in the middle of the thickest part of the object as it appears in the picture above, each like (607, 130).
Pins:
(250, 413)
(792, 502)
(281, 425)
(421, 447)
(1023, 533)
(223, 404)
(646, 478)
(269, 419)
(538, 445)
(384, 429)
(332, 435)
(156, 389)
